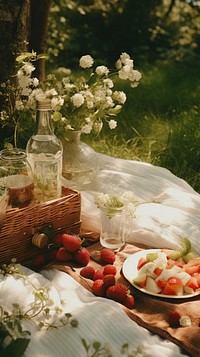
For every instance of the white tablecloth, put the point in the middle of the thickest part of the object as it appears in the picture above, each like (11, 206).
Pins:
(99, 319)
(160, 224)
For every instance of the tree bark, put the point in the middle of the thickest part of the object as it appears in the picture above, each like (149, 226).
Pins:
(14, 33)
(38, 35)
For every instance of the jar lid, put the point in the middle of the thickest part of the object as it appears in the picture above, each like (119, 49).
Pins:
(12, 154)
(44, 104)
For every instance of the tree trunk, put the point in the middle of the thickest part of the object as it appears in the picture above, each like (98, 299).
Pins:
(14, 33)
(39, 27)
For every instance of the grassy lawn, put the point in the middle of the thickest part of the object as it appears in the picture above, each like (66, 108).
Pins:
(160, 122)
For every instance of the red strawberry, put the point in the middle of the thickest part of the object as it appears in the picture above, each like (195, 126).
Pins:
(58, 238)
(52, 254)
(98, 274)
(98, 288)
(109, 269)
(82, 256)
(108, 280)
(130, 301)
(117, 292)
(107, 256)
(63, 255)
(71, 243)
(39, 261)
(87, 272)
(174, 318)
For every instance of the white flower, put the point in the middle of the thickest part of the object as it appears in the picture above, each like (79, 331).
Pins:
(35, 82)
(123, 74)
(108, 83)
(123, 57)
(28, 68)
(50, 92)
(77, 100)
(134, 75)
(102, 70)
(112, 124)
(134, 84)
(19, 105)
(56, 103)
(126, 201)
(86, 61)
(87, 128)
(119, 96)
(109, 102)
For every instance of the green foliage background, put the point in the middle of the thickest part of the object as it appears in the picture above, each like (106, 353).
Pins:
(160, 121)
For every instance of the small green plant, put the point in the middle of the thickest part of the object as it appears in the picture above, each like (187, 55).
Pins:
(97, 349)
(14, 340)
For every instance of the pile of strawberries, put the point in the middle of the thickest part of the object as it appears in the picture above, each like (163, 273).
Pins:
(71, 249)
(68, 248)
(104, 284)
(65, 248)
(104, 281)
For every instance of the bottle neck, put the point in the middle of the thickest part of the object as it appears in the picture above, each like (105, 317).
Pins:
(44, 124)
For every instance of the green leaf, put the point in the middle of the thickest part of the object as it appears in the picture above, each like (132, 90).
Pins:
(57, 116)
(16, 348)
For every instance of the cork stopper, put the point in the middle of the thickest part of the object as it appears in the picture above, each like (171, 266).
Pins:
(44, 104)
(40, 240)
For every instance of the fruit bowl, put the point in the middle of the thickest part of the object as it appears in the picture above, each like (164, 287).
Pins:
(130, 272)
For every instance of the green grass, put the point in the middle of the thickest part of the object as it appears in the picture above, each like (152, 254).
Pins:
(160, 122)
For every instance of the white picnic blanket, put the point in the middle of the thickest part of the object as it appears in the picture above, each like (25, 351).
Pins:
(174, 213)
(99, 319)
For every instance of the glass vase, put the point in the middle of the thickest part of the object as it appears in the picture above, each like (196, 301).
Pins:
(79, 161)
(112, 233)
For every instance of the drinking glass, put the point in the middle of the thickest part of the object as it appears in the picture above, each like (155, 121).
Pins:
(113, 222)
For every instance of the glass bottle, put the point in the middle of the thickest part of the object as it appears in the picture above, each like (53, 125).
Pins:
(44, 152)
(16, 175)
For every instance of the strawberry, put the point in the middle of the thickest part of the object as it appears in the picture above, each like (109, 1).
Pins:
(98, 274)
(52, 254)
(39, 261)
(82, 256)
(63, 255)
(71, 243)
(130, 301)
(109, 269)
(108, 280)
(87, 272)
(107, 256)
(174, 318)
(58, 238)
(117, 292)
(98, 288)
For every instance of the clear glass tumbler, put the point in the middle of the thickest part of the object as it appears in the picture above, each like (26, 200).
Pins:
(112, 234)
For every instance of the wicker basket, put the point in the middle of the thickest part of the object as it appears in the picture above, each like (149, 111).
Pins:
(63, 214)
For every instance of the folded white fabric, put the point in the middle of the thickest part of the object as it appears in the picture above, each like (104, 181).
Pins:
(99, 319)
(173, 213)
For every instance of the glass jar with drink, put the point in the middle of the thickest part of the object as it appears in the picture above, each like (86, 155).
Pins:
(16, 176)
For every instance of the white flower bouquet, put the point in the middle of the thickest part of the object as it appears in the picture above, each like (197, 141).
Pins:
(113, 203)
(80, 101)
